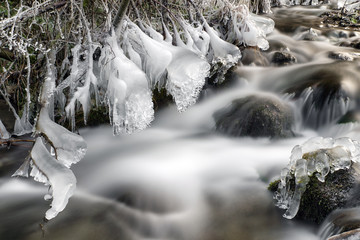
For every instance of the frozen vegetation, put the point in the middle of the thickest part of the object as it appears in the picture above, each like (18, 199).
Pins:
(316, 157)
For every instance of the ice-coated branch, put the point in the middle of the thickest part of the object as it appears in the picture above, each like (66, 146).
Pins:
(31, 12)
(120, 15)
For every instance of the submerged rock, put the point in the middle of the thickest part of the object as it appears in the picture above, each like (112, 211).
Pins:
(282, 58)
(343, 56)
(253, 56)
(256, 116)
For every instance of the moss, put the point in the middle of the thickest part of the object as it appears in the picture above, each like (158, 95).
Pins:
(97, 116)
(320, 199)
(161, 98)
(273, 186)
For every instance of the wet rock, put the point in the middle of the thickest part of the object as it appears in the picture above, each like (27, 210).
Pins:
(343, 56)
(351, 116)
(256, 116)
(321, 198)
(354, 44)
(253, 56)
(349, 235)
(324, 92)
(281, 58)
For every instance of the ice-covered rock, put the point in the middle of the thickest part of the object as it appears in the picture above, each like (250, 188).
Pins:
(317, 157)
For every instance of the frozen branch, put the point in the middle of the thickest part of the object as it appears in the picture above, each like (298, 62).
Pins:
(31, 12)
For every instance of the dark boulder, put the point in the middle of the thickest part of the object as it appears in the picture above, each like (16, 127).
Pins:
(256, 116)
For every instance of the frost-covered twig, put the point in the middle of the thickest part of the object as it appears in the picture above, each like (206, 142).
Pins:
(31, 12)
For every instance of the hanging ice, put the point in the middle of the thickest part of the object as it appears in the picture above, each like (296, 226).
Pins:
(253, 28)
(22, 125)
(183, 69)
(69, 147)
(317, 156)
(4, 134)
(49, 171)
(128, 94)
(224, 52)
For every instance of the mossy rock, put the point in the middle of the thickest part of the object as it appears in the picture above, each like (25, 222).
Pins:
(321, 198)
(256, 116)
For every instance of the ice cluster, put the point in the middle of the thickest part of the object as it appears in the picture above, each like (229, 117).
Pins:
(51, 166)
(316, 157)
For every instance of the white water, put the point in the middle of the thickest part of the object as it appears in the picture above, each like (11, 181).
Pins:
(179, 179)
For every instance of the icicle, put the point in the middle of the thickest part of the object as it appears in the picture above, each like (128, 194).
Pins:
(48, 170)
(129, 98)
(23, 170)
(22, 126)
(224, 52)
(4, 134)
(154, 54)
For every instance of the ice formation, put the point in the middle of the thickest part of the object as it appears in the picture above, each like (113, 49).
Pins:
(251, 29)
(46, 169)
(69, 147)
(4, 134)
(128, 95)
(316, 157)
(22, 125)
(177, 68)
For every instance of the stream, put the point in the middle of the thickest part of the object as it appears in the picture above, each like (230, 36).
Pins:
(180, 179)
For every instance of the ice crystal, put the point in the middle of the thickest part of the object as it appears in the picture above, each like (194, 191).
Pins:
(317, 156)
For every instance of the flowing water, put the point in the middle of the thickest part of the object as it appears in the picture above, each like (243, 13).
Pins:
(180, 179)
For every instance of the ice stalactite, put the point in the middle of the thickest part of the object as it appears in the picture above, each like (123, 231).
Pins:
(316, 157)
(128, 95)
(4, 134)
(177, 68)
